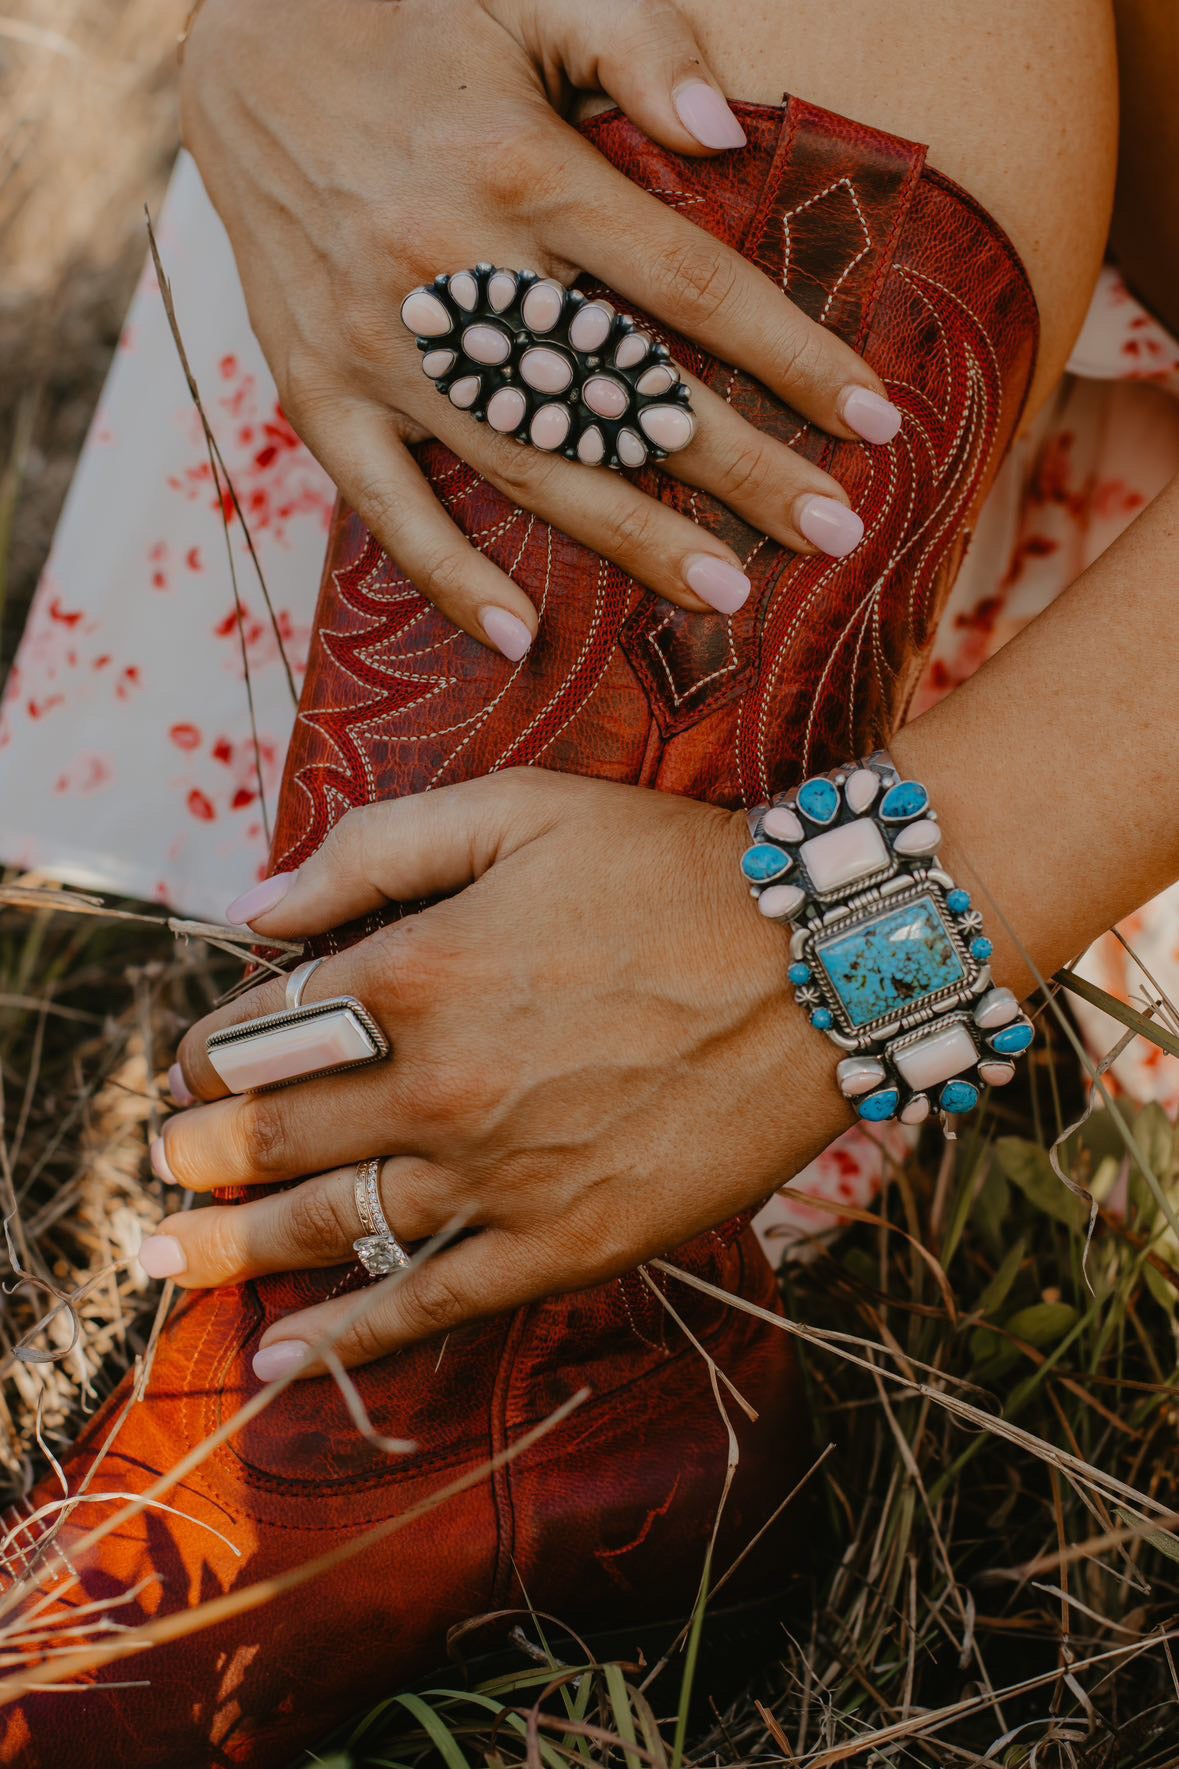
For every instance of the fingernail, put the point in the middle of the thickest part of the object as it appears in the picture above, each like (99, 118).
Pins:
(178, 1087)
(159, 1161)
(704, 114)
(723, 586)
(279, 1359)
(830, 525)
(259, 899)
(870, 416)
(162, 1256)
(507, 633)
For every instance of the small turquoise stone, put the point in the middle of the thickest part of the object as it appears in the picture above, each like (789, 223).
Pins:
(958, 901)
(822, 1019)
(981, 949)
(878, 1106)
(818, 800)
(1012, 1039)
(765, 862)
(958, 1096)
(799, 974)
(907, 799)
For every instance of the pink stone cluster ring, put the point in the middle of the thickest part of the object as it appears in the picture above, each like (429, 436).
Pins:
(550, 366)
(298, 1043)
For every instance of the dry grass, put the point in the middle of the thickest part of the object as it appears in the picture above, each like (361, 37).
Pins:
(997, 1578)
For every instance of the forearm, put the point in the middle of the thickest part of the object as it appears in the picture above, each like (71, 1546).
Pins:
(1055, 770)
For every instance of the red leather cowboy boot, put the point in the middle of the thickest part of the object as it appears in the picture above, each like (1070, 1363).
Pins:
(605, 1519)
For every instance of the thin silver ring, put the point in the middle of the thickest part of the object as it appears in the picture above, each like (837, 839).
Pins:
(297, 981)
(378, 1249)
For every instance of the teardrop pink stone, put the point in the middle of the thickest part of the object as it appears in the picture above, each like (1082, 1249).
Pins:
(436, 362)
(591, 327)
(630, 449)
(607, 398)
(425, 315)
(465, 392)
(486, 344)
(464, 289)
(505, 409)
(667, 426)
(546, 370)
(550, 426)
(501, 290)
(542, 306)
(659, 378)
(632, 349)
(591, 447)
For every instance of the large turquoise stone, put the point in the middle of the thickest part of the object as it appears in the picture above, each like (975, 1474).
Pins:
(908, 798)
(762, 863)
(958, 1096)
(1012, 1039)
(818, 800)
(891, 962)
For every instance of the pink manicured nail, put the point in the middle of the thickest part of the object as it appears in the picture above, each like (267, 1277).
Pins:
(830, 525)
(723, 586)
(279, 1359)
(178, 1087)
(260, 898)
(162, 1256)
(704, 114)
(508, 634)
(873, 418)
(159, 1161)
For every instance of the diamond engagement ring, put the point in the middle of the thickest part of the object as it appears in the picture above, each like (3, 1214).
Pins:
(378, 1249)
(550, 366)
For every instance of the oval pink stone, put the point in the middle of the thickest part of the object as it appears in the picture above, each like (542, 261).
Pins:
(550, 426)
(464, 289)
(591, 327)
(436, 362)
(632, 350)
(542, 306)
(505, 409)
(659, 378)
(667, 426)
(631, 451)
(501, 290)
(546, 370)
(486, 344)
(465, 391)
(591, 446)
(606, 397)
(425, 315)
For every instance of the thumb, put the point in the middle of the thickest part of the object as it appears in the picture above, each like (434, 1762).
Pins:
(401, 850)
(648, 59)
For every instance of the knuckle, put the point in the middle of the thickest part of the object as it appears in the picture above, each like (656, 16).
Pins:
(748, 474)
(694, 279)
(522, 474)
(260, 1136)
(307, 385)
(433, 1304)
(315, 1220)
(524, 172)
(632, 531)
(444, 578)
(365, 336)
(222, 1247)
(796, 357)
(367, 1339)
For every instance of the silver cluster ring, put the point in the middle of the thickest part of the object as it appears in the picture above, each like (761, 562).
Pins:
(378, 1249)
(550, 366)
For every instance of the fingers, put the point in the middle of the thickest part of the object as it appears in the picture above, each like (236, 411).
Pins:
(358, 444)
(649, 60)
(628, 239)
(312, 1226)
(484, 1275)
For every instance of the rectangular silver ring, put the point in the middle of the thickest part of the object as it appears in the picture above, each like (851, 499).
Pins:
(297, 1044)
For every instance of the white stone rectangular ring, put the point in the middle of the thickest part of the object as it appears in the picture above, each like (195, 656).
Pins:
(297, 1044)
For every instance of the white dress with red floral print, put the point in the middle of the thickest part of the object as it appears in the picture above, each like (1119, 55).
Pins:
(127, 756)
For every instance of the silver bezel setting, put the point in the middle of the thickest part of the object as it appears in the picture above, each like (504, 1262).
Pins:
(274, 1022)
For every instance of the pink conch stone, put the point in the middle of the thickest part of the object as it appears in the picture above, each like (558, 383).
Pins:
(591, 447)
(505, 409)
(486, 344)
(606, 397)
(918, 839)
(632, 350)
(436, 362)
(917, 1110)
(465, 391)
(425, 315)
(860, 791)
(464, 289)
(631, 451)
(542, 306)
(667, 426)
(591, 327)
(781, 825)
(501, 290)
(998, 1007)
(546, 370)
(286, 1051)
(996, 1074)
(779, 901)
(948, 1051)
(659, 378)
(550, 426)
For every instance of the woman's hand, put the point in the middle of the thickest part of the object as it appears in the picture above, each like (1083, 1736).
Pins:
(355, 148)
(594, 1057)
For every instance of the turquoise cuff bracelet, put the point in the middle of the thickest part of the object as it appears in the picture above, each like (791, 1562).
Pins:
(888, 955)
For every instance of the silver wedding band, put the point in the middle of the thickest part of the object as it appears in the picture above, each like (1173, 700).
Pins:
(378, 1249)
